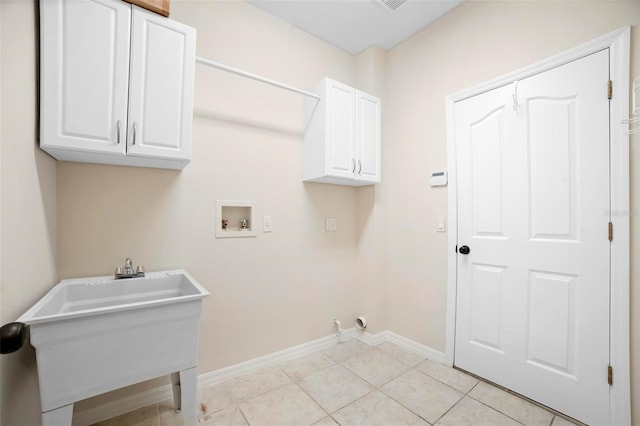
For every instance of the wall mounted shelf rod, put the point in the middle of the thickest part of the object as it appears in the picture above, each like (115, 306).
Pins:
(255, 77)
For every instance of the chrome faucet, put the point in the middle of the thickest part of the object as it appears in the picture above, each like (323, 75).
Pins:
(127, 271)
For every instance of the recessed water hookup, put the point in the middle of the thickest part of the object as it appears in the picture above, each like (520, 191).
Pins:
(235, 219)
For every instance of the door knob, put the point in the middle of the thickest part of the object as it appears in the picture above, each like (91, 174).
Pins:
(464, 250)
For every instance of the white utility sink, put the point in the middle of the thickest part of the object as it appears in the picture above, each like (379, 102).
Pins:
(94, 335)
(89, 296)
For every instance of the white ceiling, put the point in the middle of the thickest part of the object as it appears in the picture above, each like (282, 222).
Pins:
(354, 25)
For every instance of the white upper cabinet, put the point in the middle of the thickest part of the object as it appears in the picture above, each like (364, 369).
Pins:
(161, 87)
(340, 129)
(368, 137)
(342, 141)
(116, 84)
(84, 75)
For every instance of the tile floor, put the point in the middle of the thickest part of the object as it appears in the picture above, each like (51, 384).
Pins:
(351, 384)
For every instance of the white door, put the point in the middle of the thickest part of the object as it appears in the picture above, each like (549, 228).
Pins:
(340, 153)
(161, 87)
(84, 74)
(533, 196)
(367, 137)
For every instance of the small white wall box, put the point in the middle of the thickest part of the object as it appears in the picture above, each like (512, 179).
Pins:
(439, 178)
(234, 219)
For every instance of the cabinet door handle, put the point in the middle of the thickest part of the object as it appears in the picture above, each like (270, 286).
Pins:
(353, 162)
(359, 167)
(118, 133)
(134, 134)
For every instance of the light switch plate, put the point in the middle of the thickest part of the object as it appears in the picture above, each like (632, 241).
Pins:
(267, 224)
(330, 224)
(441, 224)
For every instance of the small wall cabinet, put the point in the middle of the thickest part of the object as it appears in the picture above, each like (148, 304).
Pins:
(342, 141)
(116, 84)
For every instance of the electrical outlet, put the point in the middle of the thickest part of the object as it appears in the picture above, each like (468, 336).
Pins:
(267, 224)
(330, 224)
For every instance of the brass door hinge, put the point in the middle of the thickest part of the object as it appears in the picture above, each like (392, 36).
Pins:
(609, 89)
(610, 231)
(610, 375)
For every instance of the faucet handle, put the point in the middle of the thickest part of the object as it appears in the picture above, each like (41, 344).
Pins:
(140, 269)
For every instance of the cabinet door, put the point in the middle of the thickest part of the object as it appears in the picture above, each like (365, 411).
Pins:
(367, 137)
(340, 131)
(161, 87)
(84, 73)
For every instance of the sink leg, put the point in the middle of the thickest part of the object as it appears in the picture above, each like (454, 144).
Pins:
(58, 417)
(177, 400)
(185, 389)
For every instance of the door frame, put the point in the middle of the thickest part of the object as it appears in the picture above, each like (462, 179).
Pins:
(619, 349)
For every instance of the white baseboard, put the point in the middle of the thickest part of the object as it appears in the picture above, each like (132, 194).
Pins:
(121, 406)
(415, 347)
(153, 396)
(217, 376)
(372, 339)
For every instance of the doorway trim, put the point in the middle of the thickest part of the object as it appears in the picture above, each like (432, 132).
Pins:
(619, 349)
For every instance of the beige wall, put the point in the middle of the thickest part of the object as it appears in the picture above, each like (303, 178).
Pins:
(476, 42)
(267, 293)
(247, 146)
(280, 289)
(27, 207)
(371, 211)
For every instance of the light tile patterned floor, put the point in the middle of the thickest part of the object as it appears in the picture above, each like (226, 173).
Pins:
(352, 384)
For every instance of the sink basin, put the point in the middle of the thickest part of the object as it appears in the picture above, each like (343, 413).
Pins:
(74, 298)
(95, 335)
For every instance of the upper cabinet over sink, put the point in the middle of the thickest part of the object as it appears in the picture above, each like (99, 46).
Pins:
(116, 84)
(342, 141)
